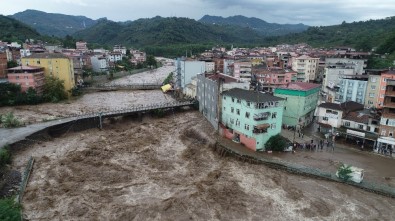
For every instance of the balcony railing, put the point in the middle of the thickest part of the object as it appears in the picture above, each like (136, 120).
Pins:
(390, 93)
(389, 104)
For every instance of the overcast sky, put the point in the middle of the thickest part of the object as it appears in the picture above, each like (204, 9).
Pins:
(310, 12)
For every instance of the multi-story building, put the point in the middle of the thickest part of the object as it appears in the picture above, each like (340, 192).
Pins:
(387, 121)
(384, 78)
(209, 86)
(306, 67)
(119, 48)
(27, 77)
(352, 89)
(187, 69)
(271, 78)
(81, 46)
(301, 99)
(54, 64)
(250, 117)
(114, 56)
(99, 63)
(372, 91)
(242, 70)
(3, 65)
(210, 66)
(138, 56)
(359, 65)
(332, 75)
(330, 115)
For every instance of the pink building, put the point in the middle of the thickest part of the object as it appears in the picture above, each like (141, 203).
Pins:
(27, 76)
(271, 78)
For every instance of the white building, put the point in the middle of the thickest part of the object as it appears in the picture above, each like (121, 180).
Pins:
(99, 63)
(210, 66)
(307, 68)
(120, 48)
(114, 56)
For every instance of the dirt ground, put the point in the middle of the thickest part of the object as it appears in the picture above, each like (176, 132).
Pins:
(164, 169)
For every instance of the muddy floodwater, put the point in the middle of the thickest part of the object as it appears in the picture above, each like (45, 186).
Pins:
(165, 169)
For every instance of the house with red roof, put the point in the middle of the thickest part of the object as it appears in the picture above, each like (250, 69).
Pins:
(301, 99)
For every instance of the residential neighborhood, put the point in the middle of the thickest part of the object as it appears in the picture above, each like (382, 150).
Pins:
(170, 118)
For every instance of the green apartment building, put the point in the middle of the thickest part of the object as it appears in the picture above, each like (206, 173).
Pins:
(300, 102)
(250, 117)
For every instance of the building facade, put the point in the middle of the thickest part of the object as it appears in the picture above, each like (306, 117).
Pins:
(352, 90)
(306, 67)
(372, 91)
(27, 77)
(250, 117)
(54, 64)
(301, 99)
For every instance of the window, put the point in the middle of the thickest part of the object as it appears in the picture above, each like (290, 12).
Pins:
(346, 124)
(224, 98)
(370, 102)
(373, 87)
(247, 114)
(26, 77)
(381, 95)
(325, 118)
(383, 132)
(383, 88)
(238, 101)
(373, 80)
(248, 103)
(247, 127)
(371, 94)
(391, 133)
(224, 108)
(274, 115)
(285, 108)
(384, 79)
(237, 122)
(238, 111)
(273, 126)
(232, 110)
(233, 100)
(360, 126)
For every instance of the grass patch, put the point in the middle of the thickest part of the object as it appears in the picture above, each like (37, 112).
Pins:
(9, 210)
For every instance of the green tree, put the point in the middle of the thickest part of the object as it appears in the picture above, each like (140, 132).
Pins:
(344, 172)
(276, 143)
(9, 210)
(5, 156)
(69, 42)
(12, 64)
(151, 61)
(53, 90)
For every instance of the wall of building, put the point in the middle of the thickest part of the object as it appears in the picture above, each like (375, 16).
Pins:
(359, 67)
(351, 90)
(207, 95)
(190, 69)
(61, 68)
(244, 122)
(331, 117)
(299, 106)
(372, 91)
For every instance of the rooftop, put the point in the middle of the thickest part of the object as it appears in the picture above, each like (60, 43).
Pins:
(346, 106)
(225, 78)
(300, 86)
(252, 96)
(24, 68)
(357, 117)
(47, 55)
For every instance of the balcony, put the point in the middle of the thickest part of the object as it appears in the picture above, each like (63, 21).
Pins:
(390, 93)
(390, 82)
(260, 129)
(389, 104)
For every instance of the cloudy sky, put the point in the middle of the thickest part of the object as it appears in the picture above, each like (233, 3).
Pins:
(310, 12)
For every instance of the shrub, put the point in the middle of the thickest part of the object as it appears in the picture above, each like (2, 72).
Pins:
(5, 156)
(10, 121)
(276, 143)
(344, 172)
(54, 89)
(9, 210)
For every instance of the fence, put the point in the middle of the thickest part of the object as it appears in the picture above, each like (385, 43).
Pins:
(25, 179)
(303, 170)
